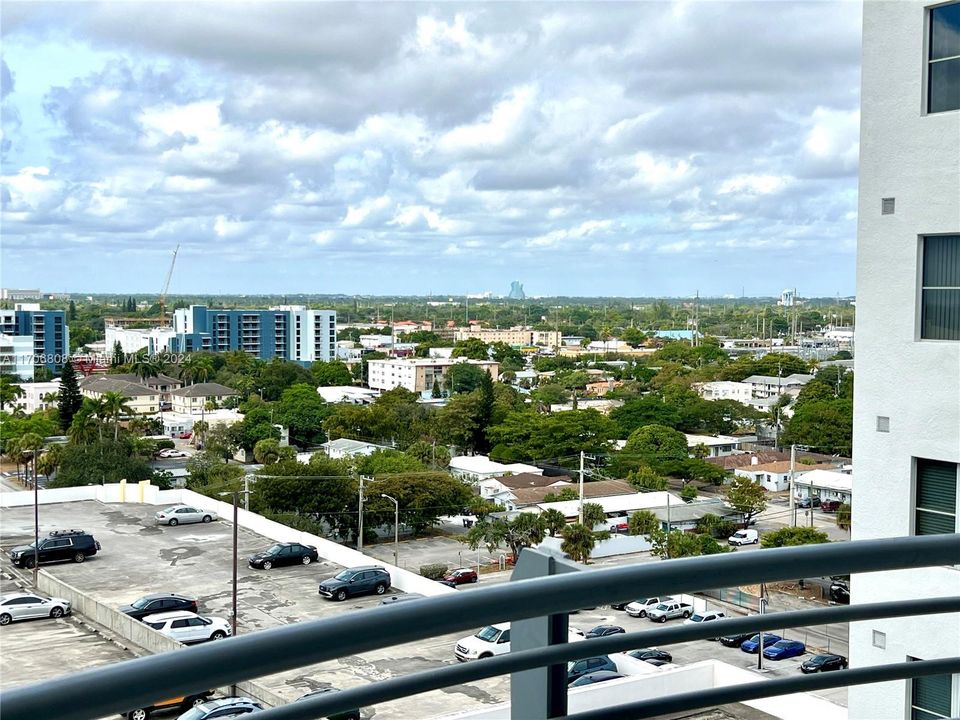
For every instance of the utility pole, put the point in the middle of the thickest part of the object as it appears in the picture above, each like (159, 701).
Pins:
(360, 517)
(763, 607)
(793, 466)
(668, 526)
(236, 551)
(581, 485)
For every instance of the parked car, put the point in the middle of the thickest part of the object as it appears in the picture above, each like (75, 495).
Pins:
(808, 502)
(183, 515)
(394, 599)
(736, 639)
(829, 506)
(704, 617)
(840, 592)
(596, 677)
(188, 627)
(823, 663)
(283, 554)
(659, 663)
(356, 581)
(744, 537)
(167, 453)
(604, 630)
(448, 583)
(667, 610)
(461, 576)
(345, 715)
(784, 649)
(22, 606)
(619, 605)
(651, 654)
(639, 608)
(59, 545)
(185, 435)
(184, 702)
(752, 645)
(159, 603)
(222, 708)
(578, 668)
(493, 640)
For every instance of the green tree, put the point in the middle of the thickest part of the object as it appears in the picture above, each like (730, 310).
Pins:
(100, 461)
(678, 544)
(526, 435)
(267, 451)
(578, 542)
(302, 411)
(388, 462)
(641, 411)
(464, 377)
(117, 356)
(550, 394)
(643, 522)
(508, 357)
(472, 349)
(688, 493)
(423, 497)
(746, 497)
(114, 405)
(10, 390)
(30, 445)
(524, 530)
(715, 526)
(72, 312)
(790, 536)
(481, 507)
(844, 515)
(645, 478)
(593, 515)
(254, 427)
(332, 373)
(69, 398)
(430, 454)
(436, 392)
(656, 443)
(84, 428)
(196, 368)
(554, 521)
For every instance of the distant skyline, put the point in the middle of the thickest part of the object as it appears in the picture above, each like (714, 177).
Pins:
(634, 150)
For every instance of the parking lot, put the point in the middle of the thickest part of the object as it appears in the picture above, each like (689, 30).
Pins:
(139, 558)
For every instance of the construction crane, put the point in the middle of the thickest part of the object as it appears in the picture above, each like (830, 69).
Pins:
(166, 286)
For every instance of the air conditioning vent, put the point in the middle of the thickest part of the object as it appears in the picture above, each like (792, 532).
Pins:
(887, 206)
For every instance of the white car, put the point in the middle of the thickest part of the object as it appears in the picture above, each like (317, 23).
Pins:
(170, 453)
(188, 627)
(704, 617)
(494, 640)
(21, 606)
(183, 514)
(639, 608)
(744, 537)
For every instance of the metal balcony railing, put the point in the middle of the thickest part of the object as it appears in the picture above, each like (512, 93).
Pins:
(539, 597)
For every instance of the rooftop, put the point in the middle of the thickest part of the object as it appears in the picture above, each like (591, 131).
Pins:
(482, 465)
(205, 389)
(107, 383)
(530, 480)
(827, 479)
(618, 503)
(710, 440)
(795, 379)
(783, 466)
(599, 488)
(155, 381)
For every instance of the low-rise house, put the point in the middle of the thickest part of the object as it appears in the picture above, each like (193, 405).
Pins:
(601, 405)
(163, 384)
(775, 476)
(717, 446)
(476, 468)
(347, 394)
(489, 487)
(613, 505)
(684, 516)
(825, 484)
(769, 386)
(602, 387)
(175, 423)
(141, 399)
(531, 496)
(193, 399)
(725, 390)
(38, 396)
(345, 447)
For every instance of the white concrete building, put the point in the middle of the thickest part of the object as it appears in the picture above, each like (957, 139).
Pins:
(38, 396)
(765, 386)
(825, 484)
(718, 445)
(725, 390)
(418, 374)
(479, 467)
(347, 394)
(133, 340)
(775, 476)
(907, 394)
(193, 399)
(345, 447)
(16, 356)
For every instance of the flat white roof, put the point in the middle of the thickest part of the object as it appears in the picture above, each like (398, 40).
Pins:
(617, 503)
(709, 440)
(482, 465)
(826, 479)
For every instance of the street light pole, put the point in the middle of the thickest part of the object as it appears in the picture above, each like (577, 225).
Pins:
(236, 552)
(396, 528)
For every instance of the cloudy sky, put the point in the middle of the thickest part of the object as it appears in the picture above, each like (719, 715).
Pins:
(646, 148)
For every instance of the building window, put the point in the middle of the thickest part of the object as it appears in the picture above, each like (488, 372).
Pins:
(930, 697)
(943, 83)
(879, 639)
(940, 288)
(936, 497)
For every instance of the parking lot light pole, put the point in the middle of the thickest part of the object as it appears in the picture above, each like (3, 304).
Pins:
(396, 528)
(236, 552)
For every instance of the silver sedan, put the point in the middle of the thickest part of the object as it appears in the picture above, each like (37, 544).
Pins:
(183, 514)
(21, 606)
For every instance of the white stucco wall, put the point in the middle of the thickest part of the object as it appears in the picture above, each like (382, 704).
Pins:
(913, 158)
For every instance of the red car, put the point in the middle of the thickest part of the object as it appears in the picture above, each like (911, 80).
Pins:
(186, 435)
(461, 576)
(830, 505)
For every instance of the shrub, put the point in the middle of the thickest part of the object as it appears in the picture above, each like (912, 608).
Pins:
(433, 571)
(165, 445)
(688, 493)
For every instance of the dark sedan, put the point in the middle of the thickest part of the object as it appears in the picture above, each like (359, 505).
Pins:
(283, 554)
(604, 630)
(823, 663)
(159, 603)
(735, 639)
(596, 677)
(840, 593)
(646, 654)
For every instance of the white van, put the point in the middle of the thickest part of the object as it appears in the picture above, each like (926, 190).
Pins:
(744, 537)
(493, 640)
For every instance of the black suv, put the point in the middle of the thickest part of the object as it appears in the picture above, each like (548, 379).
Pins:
(158, 603)
(75, 545)
(356, 581)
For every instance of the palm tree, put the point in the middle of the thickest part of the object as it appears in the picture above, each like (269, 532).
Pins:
(578, 542)
(84, 428)
(12, 449)
(32, 443)
(99, 408)
(9, 391)
(144, 366)
(554, 520)
(50, 461)
(196, 368)
(115, 405)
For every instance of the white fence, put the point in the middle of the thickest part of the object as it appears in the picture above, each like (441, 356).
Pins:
(144, 492)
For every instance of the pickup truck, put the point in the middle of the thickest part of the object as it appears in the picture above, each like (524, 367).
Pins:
(667, 610)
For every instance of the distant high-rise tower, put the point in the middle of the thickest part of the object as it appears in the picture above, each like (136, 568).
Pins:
(516, 291)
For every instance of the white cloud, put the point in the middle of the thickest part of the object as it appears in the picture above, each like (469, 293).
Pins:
(753, 184)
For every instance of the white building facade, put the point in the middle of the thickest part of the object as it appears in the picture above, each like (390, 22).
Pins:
(418, 374)
(132, 340)
(16, 356)
(907, 440)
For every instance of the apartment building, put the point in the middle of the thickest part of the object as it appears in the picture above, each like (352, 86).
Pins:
(518, 336)
(16, 356)
(133, 340)
(418, 374)
(907, 393)
(288, 332)
(47, 330)
(141, 399)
